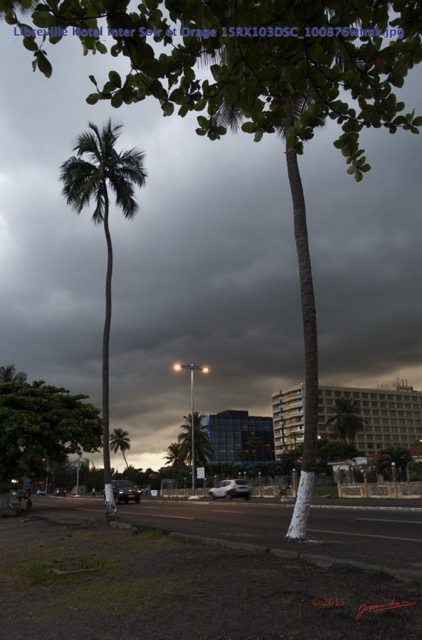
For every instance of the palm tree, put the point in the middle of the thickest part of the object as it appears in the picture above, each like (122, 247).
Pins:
(293, 436)
(203, 451)
(104, 168)
(120, 441)
(174, 455)
(281, 115)
(400, 457)
(347, 420)
(229, 115)
(9, 374)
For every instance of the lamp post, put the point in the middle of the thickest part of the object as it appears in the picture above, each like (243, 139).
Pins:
(47, 469)
(394, 471)
(78, 468)
(192, 368)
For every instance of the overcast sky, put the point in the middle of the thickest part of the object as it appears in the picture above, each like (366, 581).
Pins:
(207, 271)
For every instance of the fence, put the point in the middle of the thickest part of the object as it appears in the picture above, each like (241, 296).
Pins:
(380, 490)
(274, 488)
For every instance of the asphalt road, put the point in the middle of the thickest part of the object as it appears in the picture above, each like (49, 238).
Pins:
(258, 523)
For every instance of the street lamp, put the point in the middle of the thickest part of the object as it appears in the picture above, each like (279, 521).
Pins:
(394, 471)
(192, 368)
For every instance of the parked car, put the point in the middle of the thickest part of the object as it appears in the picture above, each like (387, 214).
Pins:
(60, 492)
(229, 489)
(124, 490)
(40, 492)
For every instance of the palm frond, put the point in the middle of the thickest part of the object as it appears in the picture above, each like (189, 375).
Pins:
(86, 178)
(230, 116)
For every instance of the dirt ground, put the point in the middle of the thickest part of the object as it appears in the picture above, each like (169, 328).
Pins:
(60, 583)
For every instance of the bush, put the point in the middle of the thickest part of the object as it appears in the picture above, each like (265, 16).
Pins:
(415, 470)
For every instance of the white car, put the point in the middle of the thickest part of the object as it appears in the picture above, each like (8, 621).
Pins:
(229, 489)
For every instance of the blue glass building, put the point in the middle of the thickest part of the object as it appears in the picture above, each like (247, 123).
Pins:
(237, 436)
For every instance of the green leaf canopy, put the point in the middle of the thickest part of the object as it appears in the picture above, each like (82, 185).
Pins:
(40, 423)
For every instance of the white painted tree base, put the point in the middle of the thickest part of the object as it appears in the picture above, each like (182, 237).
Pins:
(299, 522)
(111, 511)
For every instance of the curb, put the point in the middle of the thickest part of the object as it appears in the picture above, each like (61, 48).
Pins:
(289, 502)
(324, 562)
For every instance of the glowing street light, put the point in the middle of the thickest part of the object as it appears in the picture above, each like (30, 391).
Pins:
(192, 368)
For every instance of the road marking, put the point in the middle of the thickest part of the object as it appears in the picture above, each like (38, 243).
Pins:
(365, 535)
(161, 516)
(225, 511)
(395, 521)
(143, 513)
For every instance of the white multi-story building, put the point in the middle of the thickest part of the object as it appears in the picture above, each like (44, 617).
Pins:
(393, 416)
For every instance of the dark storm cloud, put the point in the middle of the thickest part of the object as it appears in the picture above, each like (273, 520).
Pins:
(207, 271)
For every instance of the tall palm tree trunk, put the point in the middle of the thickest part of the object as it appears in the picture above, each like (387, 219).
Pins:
(108, 491)
(298, 524)
(124, 458)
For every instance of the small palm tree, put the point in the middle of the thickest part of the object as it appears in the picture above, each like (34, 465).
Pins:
(120, 441)
(347, 420)
(203, 451)
(400, 457)
(97, 168)
(9, 374)
(174, 455)
(293, 436)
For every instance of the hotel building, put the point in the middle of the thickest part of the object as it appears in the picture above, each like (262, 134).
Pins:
(393, 416)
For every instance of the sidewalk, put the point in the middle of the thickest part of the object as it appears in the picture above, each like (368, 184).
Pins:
(64, 577)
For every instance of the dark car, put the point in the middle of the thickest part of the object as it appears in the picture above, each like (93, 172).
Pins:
(60, 492)
(124, 490)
